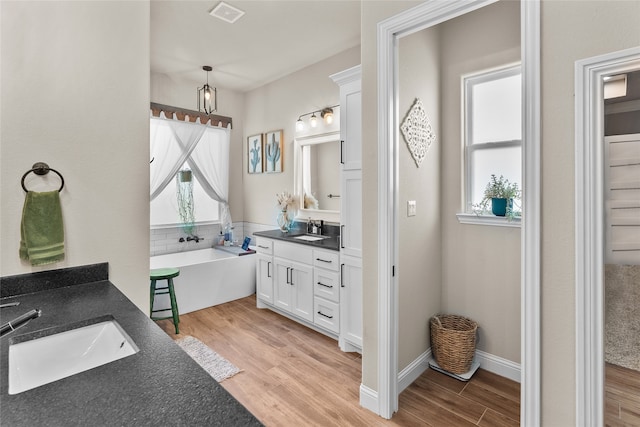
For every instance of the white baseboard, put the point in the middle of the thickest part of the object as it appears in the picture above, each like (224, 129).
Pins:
(413, 371)
(499, 366)
(369, 399)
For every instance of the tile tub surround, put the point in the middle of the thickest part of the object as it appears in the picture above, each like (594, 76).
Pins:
(166, 240)
(158, 385)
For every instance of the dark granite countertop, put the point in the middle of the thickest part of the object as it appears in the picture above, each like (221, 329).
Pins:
(331, 243)
(159, 385)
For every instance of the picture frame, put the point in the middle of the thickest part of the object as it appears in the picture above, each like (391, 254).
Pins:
(255, 157)
(273, 151)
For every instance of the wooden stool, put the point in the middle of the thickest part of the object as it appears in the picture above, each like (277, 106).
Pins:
(165, 274)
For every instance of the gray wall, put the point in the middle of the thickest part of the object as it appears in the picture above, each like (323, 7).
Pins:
(481, 264)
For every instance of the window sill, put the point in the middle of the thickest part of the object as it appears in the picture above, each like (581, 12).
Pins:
(497, 221)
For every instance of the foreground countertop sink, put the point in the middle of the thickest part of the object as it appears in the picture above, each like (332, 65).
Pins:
(158, 385)
(35, 362)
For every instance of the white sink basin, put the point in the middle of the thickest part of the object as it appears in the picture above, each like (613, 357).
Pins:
(44, 360)
(308, 238)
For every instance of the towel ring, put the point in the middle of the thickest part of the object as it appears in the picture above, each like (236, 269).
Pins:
(41, 168)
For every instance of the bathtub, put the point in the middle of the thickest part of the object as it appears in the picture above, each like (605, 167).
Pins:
(207, 277)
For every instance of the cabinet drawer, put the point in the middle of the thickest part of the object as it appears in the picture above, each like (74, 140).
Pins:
(326, 314)
(326, 259)
(293, 252)
(326, 284)
(264, 246)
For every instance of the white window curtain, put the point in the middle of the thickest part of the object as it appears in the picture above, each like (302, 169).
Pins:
(209, 162)
(204, 148)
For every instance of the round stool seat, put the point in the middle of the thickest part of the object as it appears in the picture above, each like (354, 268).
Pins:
(164, 273)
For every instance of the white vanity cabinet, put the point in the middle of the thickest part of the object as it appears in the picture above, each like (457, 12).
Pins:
(326, 284)
(264, 270)
(301, 282)
(293, 279)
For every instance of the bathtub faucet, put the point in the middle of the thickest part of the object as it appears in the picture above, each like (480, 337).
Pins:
(196, 238)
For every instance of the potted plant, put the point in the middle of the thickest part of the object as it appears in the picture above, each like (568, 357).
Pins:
(501, 193)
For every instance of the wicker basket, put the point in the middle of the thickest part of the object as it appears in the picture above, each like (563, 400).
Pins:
(453, 342)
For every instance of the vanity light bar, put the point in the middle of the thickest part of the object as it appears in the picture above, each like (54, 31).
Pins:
(326, 113)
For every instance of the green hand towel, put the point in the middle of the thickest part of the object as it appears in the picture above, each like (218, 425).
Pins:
(41, 230)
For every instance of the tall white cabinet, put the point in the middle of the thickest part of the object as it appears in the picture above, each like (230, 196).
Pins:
(350, 338)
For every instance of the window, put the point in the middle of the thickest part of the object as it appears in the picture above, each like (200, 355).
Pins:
(212, 145)
(164, 208)
(492, 114)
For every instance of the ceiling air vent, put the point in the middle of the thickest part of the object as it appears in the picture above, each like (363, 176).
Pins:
(226, 12)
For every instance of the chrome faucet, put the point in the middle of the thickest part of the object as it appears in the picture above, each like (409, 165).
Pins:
(19, 321)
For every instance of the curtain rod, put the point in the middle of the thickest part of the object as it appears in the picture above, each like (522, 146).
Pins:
(181, 114)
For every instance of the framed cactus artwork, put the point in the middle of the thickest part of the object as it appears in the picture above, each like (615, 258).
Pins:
(273, 151)
(254, 152)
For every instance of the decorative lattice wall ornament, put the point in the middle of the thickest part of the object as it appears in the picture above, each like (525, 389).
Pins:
(418, 132)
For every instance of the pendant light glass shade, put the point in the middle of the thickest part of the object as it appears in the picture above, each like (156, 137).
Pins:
(207, 95)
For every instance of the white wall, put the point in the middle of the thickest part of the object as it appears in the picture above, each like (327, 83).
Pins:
(277, 106)
(75, 94)
(420, 260)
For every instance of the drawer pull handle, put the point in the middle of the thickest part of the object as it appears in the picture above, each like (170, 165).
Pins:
(263, 247)
(322, 314)
(326, 286)
(323, 260)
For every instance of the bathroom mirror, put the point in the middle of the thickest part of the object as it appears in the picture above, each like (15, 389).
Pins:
(317, 176)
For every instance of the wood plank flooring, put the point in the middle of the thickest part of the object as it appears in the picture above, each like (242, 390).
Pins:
(294, 376)
(621, 396)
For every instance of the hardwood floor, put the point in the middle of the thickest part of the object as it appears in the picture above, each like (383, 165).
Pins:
(294, 376)
(621, 396)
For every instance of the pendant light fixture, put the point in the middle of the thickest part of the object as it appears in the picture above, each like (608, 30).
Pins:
(207, 95)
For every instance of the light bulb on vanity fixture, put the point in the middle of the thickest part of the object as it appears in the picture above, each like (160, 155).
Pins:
(326, 114)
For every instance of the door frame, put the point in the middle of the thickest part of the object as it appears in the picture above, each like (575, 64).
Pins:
(427, 14)
(589, 220)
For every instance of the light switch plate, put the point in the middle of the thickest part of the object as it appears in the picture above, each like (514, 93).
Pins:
(411, 208)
